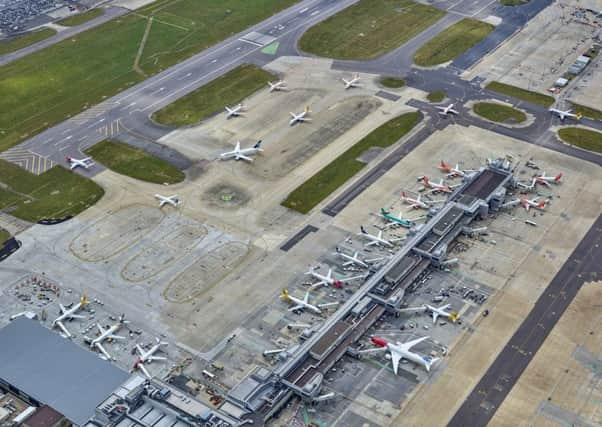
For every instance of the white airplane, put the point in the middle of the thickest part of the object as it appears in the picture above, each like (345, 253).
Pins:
(378, 239)
(446, 110)
(440, 311)
(302, 304)
(546, 180)
(355, 259)
(242, 154)
(527, 204)
(402, 351)
(453, 172)
(301, 117)
(70, 314)
(329, 280)
(441, 187)
(276, 86)
(415, 203)
(564, 114)
(168, 200)
(145, 357)
(234, 111)
(85, 163)
(107, 334)
(354, 82)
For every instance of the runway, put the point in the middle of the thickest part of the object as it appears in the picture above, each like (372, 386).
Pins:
(582, 266)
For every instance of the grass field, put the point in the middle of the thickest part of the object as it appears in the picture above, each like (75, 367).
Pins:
(499, 113)
(392, 82)
(583, 138)
(586, 111)
(335, 174)
(368, 29)
(54, 194)
(80, 18)
(130, 161)
(436, 96)
(19, 42)
(229, 89)
(4, 236)
(100, 62)
(525, 95)
(452, 42)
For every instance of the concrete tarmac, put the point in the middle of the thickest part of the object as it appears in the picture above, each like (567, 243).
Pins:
(582, 266)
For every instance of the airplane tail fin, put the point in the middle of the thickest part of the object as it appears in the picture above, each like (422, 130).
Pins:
(579, 116)
(307, 109)
(557, 177)
(68, 158)
(383, 211)
(363, 230)
(84, 300)
(284, 294)
(425, 180)
(404, 195)
(258, 145)
(454, 316)
(443, 165)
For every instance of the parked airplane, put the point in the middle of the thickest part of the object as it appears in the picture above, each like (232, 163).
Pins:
(276, 86)
(108, 334)
(302, 304)
(402, 351)
(395, 220)
(70, 314)
(329, 280)
(453, 172)
(234, 111)
(564, 114)
(546, 180)
(446, 110)
(242, 154)
(145, 357)
(85, 163)
(415, 203)
(301, 117)
(441, 187)
(168, 200)
(354, 82)
(355, 259)
(440, 311)
(527, 204)
(378, 239)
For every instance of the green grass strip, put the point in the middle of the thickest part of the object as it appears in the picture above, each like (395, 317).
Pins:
(523, 94)
(19, 42)
(392, 82)
(322, 184)
(228, 89)
(368, 29)
(499, 113)
(452, 42)
(80, 18)
(136, 163)
(583, 138)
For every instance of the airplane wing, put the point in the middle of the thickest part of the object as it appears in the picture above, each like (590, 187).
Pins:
(77, 316)
(296, 307)
(293, 115)
(409, 344)
(395, 359)
(157, 358)
(139, 350)
(371, 243)
(317, 284)
(100, 328)
(360, 276)
(346, 263)
(116, 337)
(65, 331)
(243, 157)
(327, 304)
(62, 307)
(103, 351)
(451, 110)
(435, 316)
(143, 369)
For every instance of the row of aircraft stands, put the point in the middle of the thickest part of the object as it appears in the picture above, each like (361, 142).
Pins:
(427, 245)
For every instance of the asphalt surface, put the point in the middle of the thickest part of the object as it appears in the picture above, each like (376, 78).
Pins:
(582, 266)
(110, 13)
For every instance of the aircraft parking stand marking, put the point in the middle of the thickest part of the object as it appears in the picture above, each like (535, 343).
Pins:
(28, 160)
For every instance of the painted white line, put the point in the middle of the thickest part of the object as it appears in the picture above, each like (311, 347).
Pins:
(65, 131)
(305, 9)
(251, 42)
(69, 137)
(98, 122)
(314, 13)
(214, 61)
